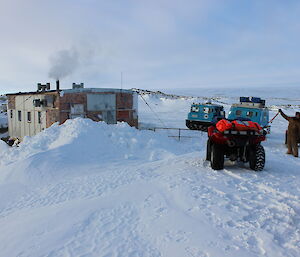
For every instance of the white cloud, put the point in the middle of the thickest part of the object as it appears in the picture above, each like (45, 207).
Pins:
(155, 43)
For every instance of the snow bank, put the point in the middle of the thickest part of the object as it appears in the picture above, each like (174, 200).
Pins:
(3, 148)
(3, 120)
(56, 151)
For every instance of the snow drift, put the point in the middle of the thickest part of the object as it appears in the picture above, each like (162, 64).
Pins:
(54, 152)
(3, 120)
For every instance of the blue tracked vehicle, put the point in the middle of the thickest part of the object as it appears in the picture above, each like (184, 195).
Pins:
(250, 108)
(202, 116)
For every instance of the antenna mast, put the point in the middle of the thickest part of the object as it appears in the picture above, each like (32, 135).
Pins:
(121, 80)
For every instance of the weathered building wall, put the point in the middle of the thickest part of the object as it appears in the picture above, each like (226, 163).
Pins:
(11, 102)
(65, 103)
(24, 119)
(100, 106)
(94, 115)
(52, 116)
(110, 106)
(126, 110)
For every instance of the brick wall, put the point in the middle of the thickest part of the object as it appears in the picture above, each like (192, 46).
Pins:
(52, 116)
(124, 101)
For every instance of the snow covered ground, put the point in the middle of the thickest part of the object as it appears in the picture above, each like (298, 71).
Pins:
(91, 189)
(3, 115)
(3, 120)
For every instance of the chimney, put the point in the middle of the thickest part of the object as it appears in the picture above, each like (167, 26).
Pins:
(43, 87)
(39, 87)
(57, 85)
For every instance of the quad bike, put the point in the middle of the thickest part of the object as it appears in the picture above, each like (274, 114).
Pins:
(244, 146)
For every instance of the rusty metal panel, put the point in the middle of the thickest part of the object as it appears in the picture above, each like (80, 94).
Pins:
(77, 110)
(73, 98)
(101, 102)
(109, 117)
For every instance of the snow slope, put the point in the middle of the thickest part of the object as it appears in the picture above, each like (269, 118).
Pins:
(3, 120)
(91, 189)
(3, 116)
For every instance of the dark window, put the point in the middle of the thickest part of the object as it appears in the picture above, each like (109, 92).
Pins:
(249, 114)
(11, 114)
(29, 116)
(19, 115)
(238, 112)
(39, 117)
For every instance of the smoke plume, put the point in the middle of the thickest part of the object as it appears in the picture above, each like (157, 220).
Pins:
(63, 63)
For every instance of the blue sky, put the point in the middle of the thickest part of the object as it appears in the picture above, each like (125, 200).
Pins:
(156, 44)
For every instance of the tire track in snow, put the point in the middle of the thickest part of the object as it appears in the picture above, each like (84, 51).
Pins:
(247, 207)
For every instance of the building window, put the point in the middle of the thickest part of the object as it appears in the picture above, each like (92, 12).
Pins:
(19, 115)
(39, 117)
(28, 116)
(11, 114)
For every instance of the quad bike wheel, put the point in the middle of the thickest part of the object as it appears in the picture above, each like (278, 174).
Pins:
(217, 157)
(208, 150)
(257, 157)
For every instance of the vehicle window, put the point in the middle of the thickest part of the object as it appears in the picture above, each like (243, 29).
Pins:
(249, 114)
(238, 112)
(195, 109)
(206, 110)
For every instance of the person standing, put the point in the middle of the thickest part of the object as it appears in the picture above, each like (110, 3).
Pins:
(293, 133)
